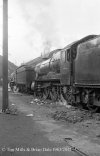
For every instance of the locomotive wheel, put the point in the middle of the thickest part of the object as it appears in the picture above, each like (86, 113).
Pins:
(67, 94)
(17, 89)
(90, 103)
(92, 108)
(44, 96)
(46, 93)
(40, 95)
(53, 94)
(87, 101)
(64, 93)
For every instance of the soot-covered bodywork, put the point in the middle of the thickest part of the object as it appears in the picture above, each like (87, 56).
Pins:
(87, 72)
(87, 63)
(24, 77)
(72, 73)
(50, 68)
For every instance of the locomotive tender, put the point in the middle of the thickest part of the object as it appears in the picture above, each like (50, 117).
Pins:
(24, 78)
(72, 72)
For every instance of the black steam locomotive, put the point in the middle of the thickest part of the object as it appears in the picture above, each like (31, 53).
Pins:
(72, 72)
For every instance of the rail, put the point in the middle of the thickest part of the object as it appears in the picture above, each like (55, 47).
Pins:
(73, 148)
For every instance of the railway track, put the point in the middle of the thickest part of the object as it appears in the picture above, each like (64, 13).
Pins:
(76, 150)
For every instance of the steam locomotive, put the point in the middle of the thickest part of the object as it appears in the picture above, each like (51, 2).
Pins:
(72, 72)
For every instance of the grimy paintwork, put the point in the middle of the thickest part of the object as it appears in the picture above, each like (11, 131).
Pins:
(24, 77)
(73, 72)
(87, 63)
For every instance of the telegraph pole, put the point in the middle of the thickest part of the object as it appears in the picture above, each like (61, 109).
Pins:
(5, 56)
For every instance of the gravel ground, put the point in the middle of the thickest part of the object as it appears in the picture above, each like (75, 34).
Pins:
(80, 126)
(78, 119)
(67, 113)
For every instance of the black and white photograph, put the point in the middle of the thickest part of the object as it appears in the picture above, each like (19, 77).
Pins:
(49, 77)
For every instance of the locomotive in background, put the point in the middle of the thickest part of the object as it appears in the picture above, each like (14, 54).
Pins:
(72, 72)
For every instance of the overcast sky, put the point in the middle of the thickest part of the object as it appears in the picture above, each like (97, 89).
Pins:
(38, 25)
